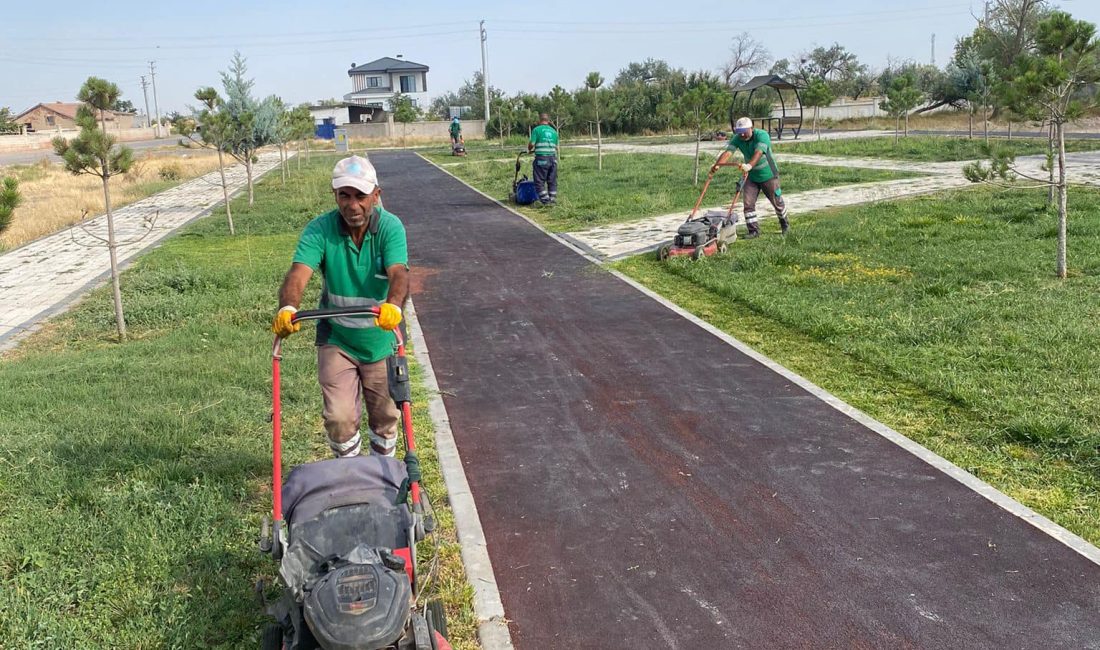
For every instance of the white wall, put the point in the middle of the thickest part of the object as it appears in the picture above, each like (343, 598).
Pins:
(338, 113)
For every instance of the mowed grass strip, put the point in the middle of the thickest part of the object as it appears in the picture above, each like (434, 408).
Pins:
(135, 477)
(925, 148)
(635, 186)
(942, 318)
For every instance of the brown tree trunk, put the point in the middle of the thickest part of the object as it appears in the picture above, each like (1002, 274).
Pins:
(985, 116)
(248, 172)
(1059, 128)
(282, 162)
(225, 193)
(1050, 164)
(116, 288)
(599, 141)
(698, 134)
(971, 125)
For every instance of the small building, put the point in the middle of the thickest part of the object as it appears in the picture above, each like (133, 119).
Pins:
(374, 84)
(330, 113)
(55, 116)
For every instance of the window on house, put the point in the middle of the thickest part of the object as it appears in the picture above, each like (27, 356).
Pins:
(49, 120)
(372, 82)
(408, 83)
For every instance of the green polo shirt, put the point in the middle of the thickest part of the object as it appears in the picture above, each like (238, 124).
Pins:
(545, 139)
(456, 128)
(765, 168)
(353, 275)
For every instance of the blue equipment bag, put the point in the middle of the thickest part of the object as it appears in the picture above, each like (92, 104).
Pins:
(526, 194)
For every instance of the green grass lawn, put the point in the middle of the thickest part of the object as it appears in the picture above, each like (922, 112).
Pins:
(134, 477)
(939, 316)
(924, 148)
(634, 186)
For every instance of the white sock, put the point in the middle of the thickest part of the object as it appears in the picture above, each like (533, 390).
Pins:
(347, 449)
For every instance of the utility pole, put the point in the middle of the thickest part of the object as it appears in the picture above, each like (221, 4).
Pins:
(933, 48)
(153, 74)
(485, 75)
(145, 91)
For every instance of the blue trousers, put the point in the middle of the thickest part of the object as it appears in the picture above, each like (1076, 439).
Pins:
(546, 177)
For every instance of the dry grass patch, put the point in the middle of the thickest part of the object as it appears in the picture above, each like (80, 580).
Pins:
(54, 199)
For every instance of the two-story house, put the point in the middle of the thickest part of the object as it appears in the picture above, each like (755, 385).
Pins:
(374, 84)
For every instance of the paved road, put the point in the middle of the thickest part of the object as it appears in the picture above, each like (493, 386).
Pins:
(139, 146)
(643, 483)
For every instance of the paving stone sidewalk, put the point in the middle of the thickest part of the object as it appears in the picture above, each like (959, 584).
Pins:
(43, 277)
(621, 240)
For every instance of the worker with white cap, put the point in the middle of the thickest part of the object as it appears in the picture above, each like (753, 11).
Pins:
(755, 147)
(362, 254)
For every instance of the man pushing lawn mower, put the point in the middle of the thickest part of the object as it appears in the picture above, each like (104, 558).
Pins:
(362, 254)
(756, 148)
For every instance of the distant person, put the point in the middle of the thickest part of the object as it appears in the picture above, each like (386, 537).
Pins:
(456, 132)
(361, 252)
(755, 146)
(544, 144)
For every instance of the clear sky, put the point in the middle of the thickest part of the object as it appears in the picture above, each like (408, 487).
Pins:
(301, 51)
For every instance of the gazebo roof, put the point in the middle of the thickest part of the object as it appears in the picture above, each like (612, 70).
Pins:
(759, 81)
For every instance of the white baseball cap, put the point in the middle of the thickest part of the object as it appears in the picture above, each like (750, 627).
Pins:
(743, 125)
(357, 172)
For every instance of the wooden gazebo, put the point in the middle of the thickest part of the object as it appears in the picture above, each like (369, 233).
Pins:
(788, 121)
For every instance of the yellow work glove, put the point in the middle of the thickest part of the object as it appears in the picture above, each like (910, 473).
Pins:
(389, 316)
(746, 168)
(282, 325)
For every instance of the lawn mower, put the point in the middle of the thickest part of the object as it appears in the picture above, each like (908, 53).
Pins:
(345, 533)
(458, 147)
(706, 235)
(523, 190)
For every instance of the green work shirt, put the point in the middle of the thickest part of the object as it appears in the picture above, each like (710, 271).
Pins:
(765, 168)
(456, 128)
(545, 139)
(353, 275)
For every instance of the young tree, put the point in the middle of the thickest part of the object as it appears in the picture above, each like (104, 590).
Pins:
(1048, 83)
(300, 128)
(902, 96)
(562, 106)
(94, 152)
(705, 100)
(211, 128)
(252, 123)
(9, 201)
(404, 111)
(816, 95)
(593, 81)
(7, 124)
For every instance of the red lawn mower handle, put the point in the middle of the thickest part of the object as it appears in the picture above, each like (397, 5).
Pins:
(363, 311)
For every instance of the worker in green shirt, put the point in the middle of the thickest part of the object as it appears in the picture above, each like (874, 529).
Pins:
(456, 132)
(755, 147)
(544, 144)
(361, 252)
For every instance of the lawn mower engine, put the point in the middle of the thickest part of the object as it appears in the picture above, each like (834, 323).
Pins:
(691, 234)
(348, 564)
(360, 605)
